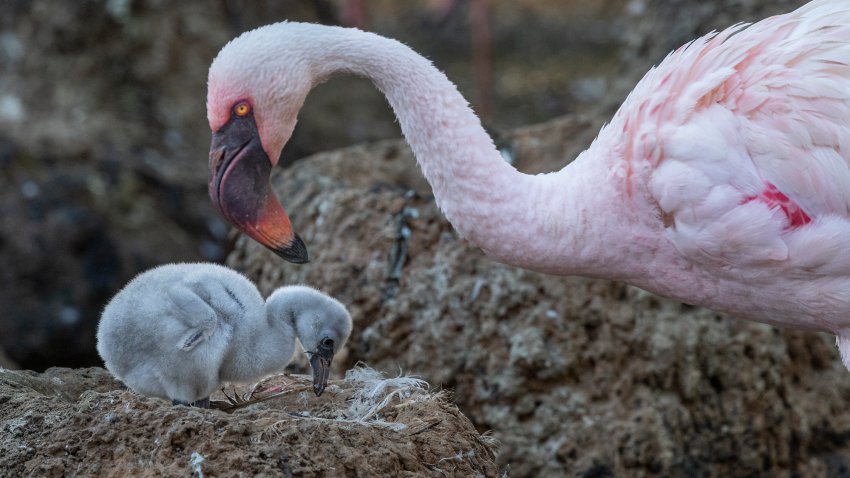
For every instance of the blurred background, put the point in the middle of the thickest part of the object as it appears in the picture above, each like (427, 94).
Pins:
(104, 139)
(103, 136)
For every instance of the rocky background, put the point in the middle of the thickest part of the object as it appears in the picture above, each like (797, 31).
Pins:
(103, 145)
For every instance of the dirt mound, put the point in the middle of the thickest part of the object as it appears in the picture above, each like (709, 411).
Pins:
(84, 423)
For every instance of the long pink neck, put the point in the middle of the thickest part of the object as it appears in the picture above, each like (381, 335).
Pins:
(536, 222)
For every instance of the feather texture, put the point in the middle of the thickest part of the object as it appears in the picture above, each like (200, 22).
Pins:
(179, 331)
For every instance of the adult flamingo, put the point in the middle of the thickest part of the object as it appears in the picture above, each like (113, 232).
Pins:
(722, 181)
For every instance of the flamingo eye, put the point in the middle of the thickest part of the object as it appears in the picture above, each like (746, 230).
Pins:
(243, 108)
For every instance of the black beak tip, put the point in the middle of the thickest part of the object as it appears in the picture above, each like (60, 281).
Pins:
(320, 362)
(295, 252)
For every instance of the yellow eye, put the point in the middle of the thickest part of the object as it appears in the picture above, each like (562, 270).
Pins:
(242, 108)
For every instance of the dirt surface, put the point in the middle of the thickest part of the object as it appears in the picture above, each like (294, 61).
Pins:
(575, 377)
(84, 423)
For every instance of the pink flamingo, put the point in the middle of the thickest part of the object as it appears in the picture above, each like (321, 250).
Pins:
(722, 181)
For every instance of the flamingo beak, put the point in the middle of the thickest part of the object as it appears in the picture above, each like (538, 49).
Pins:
(320, 362)
(240, 190)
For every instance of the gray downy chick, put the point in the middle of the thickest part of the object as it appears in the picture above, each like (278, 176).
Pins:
(179, 331)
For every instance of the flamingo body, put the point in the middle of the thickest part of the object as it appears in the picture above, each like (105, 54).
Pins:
(740, 139)
(722, 181)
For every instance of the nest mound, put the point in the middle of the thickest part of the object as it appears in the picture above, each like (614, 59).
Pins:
(83, 422)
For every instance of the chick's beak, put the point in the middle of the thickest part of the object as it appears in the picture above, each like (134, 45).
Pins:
(240, 190)
(320, 362)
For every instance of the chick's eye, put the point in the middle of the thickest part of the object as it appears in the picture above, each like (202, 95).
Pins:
(242, 108)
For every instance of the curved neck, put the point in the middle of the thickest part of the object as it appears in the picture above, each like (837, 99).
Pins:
(283, 311)
(514, 217)
(260, 346)
(483, 197)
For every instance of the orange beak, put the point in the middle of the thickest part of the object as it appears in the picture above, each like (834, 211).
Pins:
(239, 188)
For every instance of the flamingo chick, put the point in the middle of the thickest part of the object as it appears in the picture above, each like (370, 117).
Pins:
(722, 181)
(179, 331)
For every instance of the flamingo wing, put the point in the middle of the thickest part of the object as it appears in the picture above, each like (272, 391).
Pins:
(747, 138)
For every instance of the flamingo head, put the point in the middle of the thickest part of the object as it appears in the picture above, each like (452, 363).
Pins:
(252, 108)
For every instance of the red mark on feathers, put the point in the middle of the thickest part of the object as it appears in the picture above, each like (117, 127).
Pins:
(774, 198)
